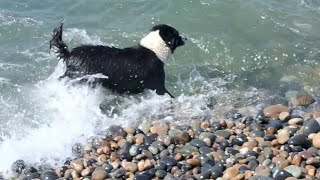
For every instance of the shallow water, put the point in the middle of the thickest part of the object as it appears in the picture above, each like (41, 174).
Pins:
(237, 52)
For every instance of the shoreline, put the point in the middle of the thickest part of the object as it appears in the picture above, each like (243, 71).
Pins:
(276, 143)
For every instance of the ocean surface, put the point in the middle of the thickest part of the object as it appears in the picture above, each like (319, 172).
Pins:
(237, 55)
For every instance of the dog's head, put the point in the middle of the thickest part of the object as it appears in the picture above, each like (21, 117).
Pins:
(163, 40)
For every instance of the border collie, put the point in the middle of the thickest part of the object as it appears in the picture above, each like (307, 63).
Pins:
(129, 70)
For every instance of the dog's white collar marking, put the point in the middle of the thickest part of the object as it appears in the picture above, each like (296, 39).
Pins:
(155, 43)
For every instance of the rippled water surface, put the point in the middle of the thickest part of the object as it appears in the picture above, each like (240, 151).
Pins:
(239, 52)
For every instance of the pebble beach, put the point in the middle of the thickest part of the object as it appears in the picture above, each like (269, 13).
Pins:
(279, 142)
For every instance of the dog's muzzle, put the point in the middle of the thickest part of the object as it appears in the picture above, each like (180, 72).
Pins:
(182, 40)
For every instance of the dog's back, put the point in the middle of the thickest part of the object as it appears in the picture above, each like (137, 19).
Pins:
(128, 70)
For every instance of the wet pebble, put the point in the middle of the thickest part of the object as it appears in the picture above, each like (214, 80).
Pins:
(311, 127)
(300, 140)
(49, 175)
(294, 170)
(197, 143)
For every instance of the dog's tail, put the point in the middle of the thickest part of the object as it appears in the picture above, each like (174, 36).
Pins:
(57, 45)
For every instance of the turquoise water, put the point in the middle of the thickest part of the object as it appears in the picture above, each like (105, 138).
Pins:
(235, 47)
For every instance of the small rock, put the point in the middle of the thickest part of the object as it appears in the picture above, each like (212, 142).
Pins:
(316, 140)
(222, 133)
(274, 111)
(99, 174)
(145, 127)
(300, 140)
(129, 166)
(311, 127)
(283, 136)
(230, 173)
(294, 170)
(281, 175)
(159, 128)
(115, 131)
(49, 175)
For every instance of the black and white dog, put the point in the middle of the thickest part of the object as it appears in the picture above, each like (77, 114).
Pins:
(128, 70)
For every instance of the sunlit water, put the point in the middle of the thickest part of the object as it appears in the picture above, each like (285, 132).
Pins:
(236, 54)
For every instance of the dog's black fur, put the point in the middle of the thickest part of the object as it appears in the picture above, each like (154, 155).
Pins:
(129, 70)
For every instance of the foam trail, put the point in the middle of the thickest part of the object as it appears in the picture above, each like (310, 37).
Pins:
(70, 115)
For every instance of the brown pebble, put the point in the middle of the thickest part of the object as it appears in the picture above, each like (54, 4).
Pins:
(130, 130)
(141, 166)
(270, 130)
(75, 174)
(230, 173)
(159, 128)
(283, 136)
(296, 160)
(238, 177)
(312, 160)
(193, 162)
(207, 141)
(67, 174)
(100, 150)
(106, 150)
(291, 178)
(303, 99)
(77, 165)
(121, 142)
(114, 145)
(99, 174)
(305, 154)
(102, 158)
(205, 125)
(295, 121)
(129, 166)
(86, 172)
(139, 140)
(174, 169)
(115, 164)
(230, 124)
(316, 140)
(113, 156)
(247, 174)
(311, 170)
(178, 157)
(311, 135)
(274, 111)
(283, 116)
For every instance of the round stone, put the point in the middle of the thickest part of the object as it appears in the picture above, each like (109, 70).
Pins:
(193, 162)
(169, 161)
(284, 116)
(197, 143)
(300, 140)
(274, 111)
(129, 166)
(311, 127)
(204, 135)
(49, 175)
(216, 172)
(316, 140)
(144, 127)
(222, 133)
(230, 173)
(294, 170)
(161, 174)
(160, 128)
(282, 174)
(283, 136)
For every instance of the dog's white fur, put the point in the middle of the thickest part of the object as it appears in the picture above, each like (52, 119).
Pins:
(156, 44)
